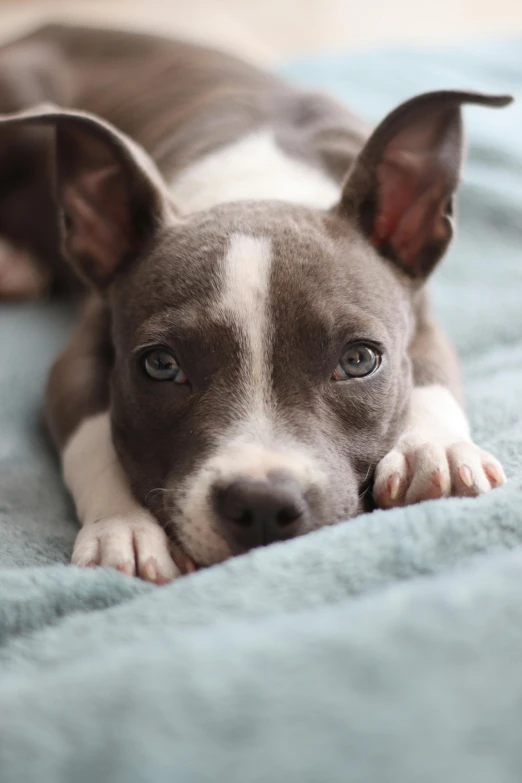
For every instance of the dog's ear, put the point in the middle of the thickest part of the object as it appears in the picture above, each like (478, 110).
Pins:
(401, 187)
(110, 195)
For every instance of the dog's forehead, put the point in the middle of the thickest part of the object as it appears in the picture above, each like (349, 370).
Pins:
(306, 265)
(298, 238)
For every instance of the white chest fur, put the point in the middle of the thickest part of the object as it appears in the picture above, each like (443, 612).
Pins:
(253, 168)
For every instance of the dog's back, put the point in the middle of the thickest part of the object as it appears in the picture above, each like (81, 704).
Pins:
(179, 101)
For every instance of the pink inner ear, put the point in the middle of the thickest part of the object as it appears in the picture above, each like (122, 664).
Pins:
(98, 206)
(414, 182)
(411, 197)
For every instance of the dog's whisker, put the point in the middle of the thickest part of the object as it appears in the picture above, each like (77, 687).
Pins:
(367, 480)
(157, 489)
(369, 471)
(168, 525)
(364, 492)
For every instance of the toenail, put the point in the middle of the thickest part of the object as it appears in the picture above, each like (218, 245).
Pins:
(466, 476)
(495, 474)
(393, 486)
(149, 571)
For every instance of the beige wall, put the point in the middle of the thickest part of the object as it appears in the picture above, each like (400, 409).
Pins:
(268, 30)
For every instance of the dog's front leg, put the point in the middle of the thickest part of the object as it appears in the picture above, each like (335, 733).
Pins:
(435, 456)
(117, 531)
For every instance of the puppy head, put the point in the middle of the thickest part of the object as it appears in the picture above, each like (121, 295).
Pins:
(261, 349)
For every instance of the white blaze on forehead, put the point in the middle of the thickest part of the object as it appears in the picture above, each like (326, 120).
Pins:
(256, 444)
(244, 302)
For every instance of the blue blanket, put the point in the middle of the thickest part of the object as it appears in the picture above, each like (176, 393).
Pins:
(387, 648)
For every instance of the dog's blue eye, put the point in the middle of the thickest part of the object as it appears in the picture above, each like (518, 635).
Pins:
(357, 361)
(160, 365)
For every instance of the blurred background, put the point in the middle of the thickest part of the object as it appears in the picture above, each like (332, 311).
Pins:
(268, 31)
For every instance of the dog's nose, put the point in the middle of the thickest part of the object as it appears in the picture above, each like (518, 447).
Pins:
(258, 512)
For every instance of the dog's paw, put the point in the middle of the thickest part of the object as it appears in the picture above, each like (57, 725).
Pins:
(21, 277)
(133, 544)
(412, 473)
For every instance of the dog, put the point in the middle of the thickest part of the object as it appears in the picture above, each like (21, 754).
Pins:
(255, 356)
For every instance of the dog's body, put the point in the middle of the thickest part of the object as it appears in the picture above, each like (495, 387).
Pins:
(261, 347)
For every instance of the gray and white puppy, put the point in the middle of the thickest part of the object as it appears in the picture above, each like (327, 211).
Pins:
(256, 356)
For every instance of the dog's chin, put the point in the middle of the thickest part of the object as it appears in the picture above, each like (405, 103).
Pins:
(196, 546)
(185, 563)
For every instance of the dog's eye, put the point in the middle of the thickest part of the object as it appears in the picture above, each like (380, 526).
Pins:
(160, 365)
(357, 361)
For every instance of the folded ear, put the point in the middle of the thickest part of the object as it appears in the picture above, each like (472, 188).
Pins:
(402, 184)
(110, 195)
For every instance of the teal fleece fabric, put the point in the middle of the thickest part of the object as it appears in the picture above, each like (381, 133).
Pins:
(387, 648)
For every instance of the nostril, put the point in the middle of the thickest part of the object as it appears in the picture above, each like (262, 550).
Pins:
(244, 518)
(288, 515)
(231, 504)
